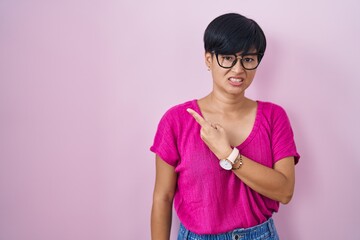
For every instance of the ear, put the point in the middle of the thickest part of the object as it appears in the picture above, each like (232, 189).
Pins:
(208, 60)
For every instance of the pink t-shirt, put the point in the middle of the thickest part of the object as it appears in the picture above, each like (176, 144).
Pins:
(209, 199)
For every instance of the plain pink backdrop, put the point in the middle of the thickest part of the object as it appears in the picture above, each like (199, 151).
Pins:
(83, 85)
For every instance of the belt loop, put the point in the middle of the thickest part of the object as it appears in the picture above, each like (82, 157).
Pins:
(271, 226)
(186, 234)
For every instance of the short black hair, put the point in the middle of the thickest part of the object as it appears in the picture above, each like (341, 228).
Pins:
(232, 33)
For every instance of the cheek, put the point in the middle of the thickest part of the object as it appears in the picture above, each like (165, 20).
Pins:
(219, 75)
(251, 75)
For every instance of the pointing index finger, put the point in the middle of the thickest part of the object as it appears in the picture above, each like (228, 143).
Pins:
(197, 117)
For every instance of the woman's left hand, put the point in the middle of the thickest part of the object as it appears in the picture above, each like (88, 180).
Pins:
(214, 136)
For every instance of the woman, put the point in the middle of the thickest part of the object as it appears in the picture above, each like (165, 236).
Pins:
(227, 161)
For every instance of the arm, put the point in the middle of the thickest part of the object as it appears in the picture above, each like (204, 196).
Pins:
(161, 213)
(276, 183)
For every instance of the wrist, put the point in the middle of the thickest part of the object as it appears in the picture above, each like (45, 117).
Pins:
(225, 153)
(227, 163)
(238, 162)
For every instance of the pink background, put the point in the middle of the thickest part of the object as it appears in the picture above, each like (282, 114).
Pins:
(83, 85)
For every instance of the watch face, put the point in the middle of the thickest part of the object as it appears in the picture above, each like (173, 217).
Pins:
(225, 164)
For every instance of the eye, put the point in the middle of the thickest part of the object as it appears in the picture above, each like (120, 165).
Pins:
(229, 58)
(249, 59)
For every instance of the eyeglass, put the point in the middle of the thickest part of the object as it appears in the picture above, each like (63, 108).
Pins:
(248, 61)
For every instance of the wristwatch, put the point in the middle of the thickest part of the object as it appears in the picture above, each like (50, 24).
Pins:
(229, 161)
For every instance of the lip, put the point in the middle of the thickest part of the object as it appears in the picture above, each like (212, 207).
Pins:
(238, 81)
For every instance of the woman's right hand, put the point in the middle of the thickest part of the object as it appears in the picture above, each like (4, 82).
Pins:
(214, 136)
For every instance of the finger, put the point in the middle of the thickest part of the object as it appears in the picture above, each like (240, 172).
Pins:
(213, 125)
(197, 117)
(217, 126)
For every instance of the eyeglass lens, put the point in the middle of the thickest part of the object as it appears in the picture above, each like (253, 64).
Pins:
(247, 61)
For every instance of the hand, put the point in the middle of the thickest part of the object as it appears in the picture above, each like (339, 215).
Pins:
(213, 135)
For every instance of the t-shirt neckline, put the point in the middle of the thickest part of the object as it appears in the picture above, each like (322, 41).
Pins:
(254, 129)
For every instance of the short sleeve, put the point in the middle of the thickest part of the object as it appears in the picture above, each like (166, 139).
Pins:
(165, 141)
(283, 144)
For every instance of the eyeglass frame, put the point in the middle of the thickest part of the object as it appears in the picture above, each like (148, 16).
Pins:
(239, 57)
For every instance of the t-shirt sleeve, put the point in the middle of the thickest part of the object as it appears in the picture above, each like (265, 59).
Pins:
(283, 143)
(165, 141)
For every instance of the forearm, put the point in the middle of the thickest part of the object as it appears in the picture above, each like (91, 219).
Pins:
(161, 216)
(276, 183)
(272, 183)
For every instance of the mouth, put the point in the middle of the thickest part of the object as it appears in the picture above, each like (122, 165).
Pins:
(236, 80)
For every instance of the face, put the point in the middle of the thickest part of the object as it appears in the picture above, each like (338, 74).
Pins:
(233, 80)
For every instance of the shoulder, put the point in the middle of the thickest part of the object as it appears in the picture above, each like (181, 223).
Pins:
(177, 114)
(180, 108)
(270, 108)
(272, 112)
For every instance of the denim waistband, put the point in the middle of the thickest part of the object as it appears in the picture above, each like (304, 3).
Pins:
(266, 229)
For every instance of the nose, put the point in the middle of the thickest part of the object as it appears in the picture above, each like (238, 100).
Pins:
(237, 67)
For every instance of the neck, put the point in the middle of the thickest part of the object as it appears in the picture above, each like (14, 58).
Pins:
(227, 104)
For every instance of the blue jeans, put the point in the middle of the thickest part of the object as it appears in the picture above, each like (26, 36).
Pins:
(262, 231)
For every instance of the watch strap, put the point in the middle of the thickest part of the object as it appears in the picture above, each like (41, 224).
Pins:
(233, 155)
